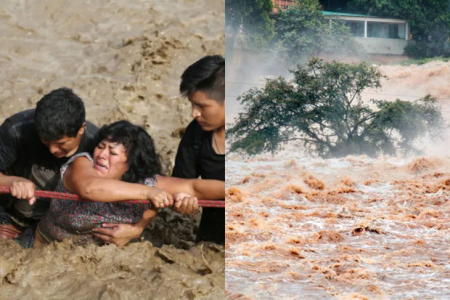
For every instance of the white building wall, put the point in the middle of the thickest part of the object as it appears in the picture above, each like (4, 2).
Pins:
(383, 46)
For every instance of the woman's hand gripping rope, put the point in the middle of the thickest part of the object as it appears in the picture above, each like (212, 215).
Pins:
(160, 198)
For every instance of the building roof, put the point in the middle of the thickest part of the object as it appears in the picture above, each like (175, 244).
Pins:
(339, 14)
(333, 13)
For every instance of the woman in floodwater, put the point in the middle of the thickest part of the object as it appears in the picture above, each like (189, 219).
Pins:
(124, 166)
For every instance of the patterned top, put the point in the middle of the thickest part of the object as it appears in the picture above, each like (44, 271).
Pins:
(69, 218)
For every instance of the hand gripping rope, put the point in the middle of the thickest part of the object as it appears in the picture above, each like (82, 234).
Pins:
(65, 196)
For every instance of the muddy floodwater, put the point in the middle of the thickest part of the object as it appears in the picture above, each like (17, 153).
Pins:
(349, 228)
(124, 59)
(65, 271)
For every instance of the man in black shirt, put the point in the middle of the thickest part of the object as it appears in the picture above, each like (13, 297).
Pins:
(201, 152)
(34, 144)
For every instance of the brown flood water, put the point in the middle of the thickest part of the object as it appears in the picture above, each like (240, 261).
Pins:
(124, 59)
(413, 82)
(140, 271)
(349, 228)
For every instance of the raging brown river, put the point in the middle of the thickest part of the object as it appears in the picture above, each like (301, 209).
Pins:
(349, 228)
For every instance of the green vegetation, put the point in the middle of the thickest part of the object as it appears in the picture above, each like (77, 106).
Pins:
(303, 32)
(423, 61)
(295, 34)
(322, 109)
(252, 18)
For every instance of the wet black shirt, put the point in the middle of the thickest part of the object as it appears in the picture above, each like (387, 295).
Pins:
(195, 158)
(23, 154)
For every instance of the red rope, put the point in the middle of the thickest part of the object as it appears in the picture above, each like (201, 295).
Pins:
(65, 196)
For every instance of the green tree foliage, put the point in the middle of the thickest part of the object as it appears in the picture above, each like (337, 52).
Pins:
(322, 109)
(252, 18)
(334, 5)
(303, 32)
(426, 18)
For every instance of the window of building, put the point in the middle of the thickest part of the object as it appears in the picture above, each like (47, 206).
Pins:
(356, 28)
(385, 30)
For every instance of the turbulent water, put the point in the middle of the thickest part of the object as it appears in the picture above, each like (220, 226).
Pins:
(65, 271)
(124, 59)
(349, 228)
(413, 82)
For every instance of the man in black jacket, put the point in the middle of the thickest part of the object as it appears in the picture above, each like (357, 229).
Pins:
(34, 144)
(201, 152)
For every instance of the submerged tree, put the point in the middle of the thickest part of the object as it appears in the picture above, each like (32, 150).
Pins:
(322, 109)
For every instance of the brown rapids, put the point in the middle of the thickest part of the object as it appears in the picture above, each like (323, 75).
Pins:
(350, 228)
(124, 59)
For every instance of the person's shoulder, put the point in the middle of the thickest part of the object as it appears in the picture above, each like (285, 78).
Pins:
(194, 133)
(193, 127)
(89, 139)
(82, 154)
(91, 130)
(72, 159)
(22, 118)
(20, 127)
(78, 155)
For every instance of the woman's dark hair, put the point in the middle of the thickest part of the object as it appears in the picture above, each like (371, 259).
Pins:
(142, 160)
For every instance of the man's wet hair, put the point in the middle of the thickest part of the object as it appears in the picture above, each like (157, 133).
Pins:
(59, 113)
(142, 160)
(206, 75)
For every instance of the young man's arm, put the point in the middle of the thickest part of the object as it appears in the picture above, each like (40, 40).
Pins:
(20, 188)
(186, 166)
(200, 188)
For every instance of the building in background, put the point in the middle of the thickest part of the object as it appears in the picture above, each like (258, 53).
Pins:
(378, 35)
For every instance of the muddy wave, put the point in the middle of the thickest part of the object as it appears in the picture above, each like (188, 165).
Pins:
(139, 271)
(350, 228)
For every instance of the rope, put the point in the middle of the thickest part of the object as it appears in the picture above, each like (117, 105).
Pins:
(65, 196)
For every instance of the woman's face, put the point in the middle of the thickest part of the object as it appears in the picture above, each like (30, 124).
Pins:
(110, 159)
